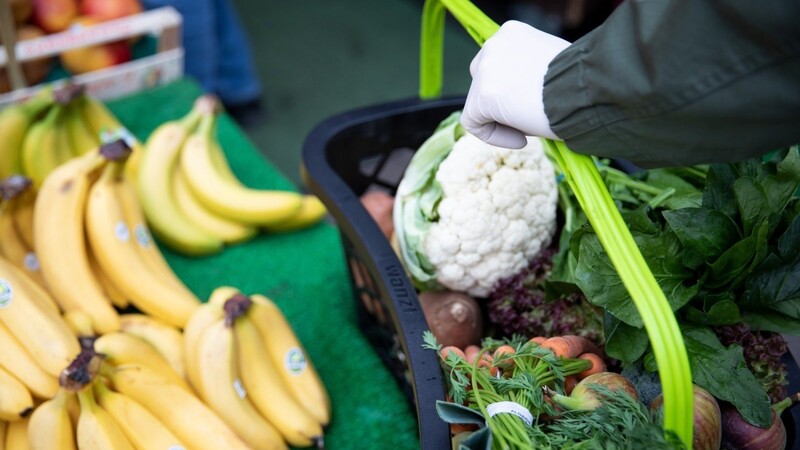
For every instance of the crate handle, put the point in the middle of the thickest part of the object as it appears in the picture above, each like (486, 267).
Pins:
(586, 182)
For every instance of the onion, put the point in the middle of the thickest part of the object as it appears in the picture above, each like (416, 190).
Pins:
(584, 398)
(707, 419)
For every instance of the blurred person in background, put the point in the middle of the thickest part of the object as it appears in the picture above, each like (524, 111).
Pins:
(218, 54)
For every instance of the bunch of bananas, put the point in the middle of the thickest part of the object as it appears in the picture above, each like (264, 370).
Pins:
(192, 199)
(54, 126)
(246, 363)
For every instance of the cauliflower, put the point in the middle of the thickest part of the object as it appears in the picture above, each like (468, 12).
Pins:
(470, 214)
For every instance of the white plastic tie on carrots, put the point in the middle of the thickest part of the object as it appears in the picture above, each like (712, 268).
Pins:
(510, 408)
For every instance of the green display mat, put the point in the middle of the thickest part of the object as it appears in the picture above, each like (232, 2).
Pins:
(304, 272)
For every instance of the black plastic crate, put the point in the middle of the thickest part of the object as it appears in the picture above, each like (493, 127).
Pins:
(369, 149)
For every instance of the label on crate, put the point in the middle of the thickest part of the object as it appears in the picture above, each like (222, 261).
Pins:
(295, 361)
(6, 293)
(121, 231)
(510, 408)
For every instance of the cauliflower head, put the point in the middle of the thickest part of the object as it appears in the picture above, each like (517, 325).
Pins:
(498, 211)
(468, 214)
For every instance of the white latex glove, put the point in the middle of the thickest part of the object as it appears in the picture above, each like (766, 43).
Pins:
(504, 103)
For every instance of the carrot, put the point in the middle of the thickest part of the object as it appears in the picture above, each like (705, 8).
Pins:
(569, 346)
(569, 383)
(471, 351)
(456, 428)
(504, 350)
(452, 349)
(538, 340)
(598, 365)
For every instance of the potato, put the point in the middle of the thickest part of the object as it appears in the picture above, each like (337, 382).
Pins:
(454, 318)
(379, 205)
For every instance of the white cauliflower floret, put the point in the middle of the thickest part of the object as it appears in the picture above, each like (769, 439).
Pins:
(498, 210)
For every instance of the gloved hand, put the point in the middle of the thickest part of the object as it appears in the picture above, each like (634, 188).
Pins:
(504, 103)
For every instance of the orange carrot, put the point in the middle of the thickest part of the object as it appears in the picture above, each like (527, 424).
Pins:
(569, 346)
(569, 383)
(504, 350)
(452, 349)
(471, 351)
(456, 428)
(598, 365)
(538, 340)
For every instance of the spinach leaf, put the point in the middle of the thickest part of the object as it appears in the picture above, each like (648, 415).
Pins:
(639, 220)
(738, 260)
(685, 196)
(717, 193)
(723, 372)
(624, 342)
(767, 320)
(775, 283)
(751, 201)
(705, 233)
(782, 186)
(718, 309)
(598, 279)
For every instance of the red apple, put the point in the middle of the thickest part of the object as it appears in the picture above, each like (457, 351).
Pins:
(96, 57)
(53, 16)
(110, 9)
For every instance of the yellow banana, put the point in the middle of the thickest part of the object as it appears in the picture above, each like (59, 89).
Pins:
(17, 435)
(201, 319)
(155, 190)
(220, 162)
(22, 212)
(228, 231)
(14, 249)
(140, 426)
(165, 338)
(106, 127)
(311, 212)
(40, 150)
(18, 362)
(115, 249)
(267, 391)
(61, 245)
(38, 294)
(290, 358)
(82, 137)
(3, 429)
(15, 122)
(81, 325)
(50, 426)
(43, 333)
(97, 430)
(228, 199)
(222, 390)
(194, 423)
(15, 399)
(113, 293)
(121, 348)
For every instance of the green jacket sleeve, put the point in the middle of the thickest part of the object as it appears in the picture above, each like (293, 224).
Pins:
(680, 82)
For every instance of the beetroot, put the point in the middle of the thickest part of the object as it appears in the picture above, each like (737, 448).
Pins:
(738, 434)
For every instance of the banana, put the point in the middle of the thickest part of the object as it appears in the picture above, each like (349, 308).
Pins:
(194, 423)
(14, 249)
(228, 199)
(222, 390)
(17, 435)
(37, 294)
(134, 217)
(97, 430)
(81, 326)
(15, 122)
(115, 249)
(167, 339)
(82, 137)
(121, 348)
(15, 399)
(221, 164)
(3, 429)
(311, 211)
(289, 358)
(22, 212)
(267, 391)
(155, 190)
(228, 231)
(200, 320)
(42, 332)
(39, 151)
(140, 426)
(61, 245)
(117, 298)
(50, 426)
(18, 362)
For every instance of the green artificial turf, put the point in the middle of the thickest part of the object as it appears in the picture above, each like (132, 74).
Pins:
(304, 272)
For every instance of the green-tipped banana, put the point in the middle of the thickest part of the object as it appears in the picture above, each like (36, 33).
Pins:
(154, 183)
(14, 124)
(40, 148)
(82, 137)
(226, 198)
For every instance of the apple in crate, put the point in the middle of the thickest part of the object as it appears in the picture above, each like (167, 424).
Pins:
(96, 57)
(110, 9)
(53, 16)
